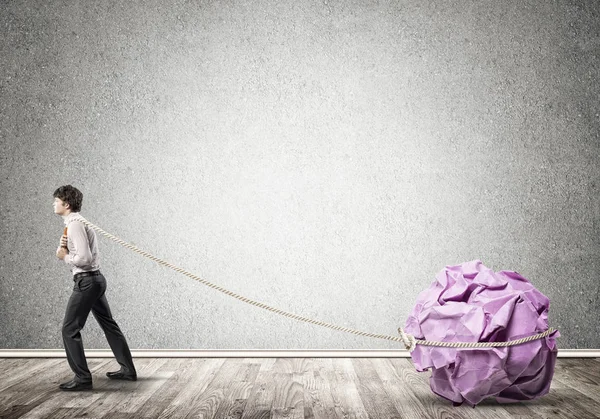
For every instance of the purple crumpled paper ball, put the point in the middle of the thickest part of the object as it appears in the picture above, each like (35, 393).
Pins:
(472, 303)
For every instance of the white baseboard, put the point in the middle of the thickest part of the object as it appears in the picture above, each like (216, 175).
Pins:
(251, 353)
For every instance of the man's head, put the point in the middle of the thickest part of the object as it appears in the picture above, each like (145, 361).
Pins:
(67, 199)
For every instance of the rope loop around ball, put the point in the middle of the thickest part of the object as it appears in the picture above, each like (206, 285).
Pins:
(409, 340)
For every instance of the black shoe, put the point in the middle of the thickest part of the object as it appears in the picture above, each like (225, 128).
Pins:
(75, 386)
(121, 375)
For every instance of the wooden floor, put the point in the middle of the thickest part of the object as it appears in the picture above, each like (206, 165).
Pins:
(274, 388)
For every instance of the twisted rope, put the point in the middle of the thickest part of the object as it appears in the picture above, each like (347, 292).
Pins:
(407, 339)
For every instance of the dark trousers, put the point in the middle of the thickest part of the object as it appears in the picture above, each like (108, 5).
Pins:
(88, 295)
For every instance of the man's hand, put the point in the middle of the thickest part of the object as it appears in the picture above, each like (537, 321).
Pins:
(63, 241)
(61, 252)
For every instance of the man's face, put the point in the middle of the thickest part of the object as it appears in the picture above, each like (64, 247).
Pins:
(60, 207)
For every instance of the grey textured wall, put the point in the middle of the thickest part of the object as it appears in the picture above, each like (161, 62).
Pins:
(328, 158)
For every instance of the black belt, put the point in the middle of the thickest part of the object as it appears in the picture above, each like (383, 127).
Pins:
(84, 274)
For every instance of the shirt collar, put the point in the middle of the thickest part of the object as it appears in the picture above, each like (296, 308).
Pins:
(70, 217)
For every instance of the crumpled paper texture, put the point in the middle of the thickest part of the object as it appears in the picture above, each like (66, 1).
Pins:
(472, 303)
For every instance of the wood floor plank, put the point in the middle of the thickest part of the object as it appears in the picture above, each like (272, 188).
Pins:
(288, 399)
(204, 372)
(399, 390)
(419, 385)
(62, 399)
(370, 388)
(238, 391)
(347, 401)
(260, 401)
(150, 378)
(209, 399)
(62, 413)
(32, 389)
(294, 365)
(318, 402)
(181, 371)
(118, 415)
(572, 380)
(276, 388)
(24, 374)
(564, 403)
(13, 367)
(35, 391)
(584, 370)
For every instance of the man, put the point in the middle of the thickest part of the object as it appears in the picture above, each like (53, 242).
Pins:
(79, 249)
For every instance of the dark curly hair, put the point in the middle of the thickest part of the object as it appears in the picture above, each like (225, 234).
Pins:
(70, 195)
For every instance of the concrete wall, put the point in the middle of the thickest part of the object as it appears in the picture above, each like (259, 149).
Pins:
(328, 158)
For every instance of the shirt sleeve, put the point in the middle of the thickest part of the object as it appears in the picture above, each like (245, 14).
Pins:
(79, 253)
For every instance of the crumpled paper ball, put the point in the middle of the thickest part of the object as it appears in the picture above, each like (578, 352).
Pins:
(472, 303)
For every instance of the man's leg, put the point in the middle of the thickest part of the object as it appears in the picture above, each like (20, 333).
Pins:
(85, 293)
(114, 336)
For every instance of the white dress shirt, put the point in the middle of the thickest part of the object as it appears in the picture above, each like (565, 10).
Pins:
(82, 244)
